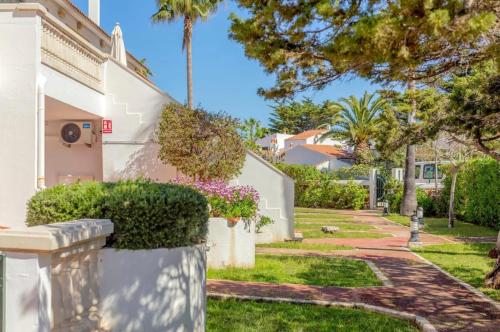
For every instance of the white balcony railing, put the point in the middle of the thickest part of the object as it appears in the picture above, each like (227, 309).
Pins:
(70, 56)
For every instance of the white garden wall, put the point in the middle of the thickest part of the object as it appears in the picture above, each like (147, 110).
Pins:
(153, 290)
(231, 243)
(51, 276)
(276, 192)
(58, 279)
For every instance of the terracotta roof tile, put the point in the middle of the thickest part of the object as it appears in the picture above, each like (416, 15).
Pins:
(307, 134)
(327, 150)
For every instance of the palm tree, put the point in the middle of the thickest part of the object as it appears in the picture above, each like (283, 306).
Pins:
(190, 11)
(251, 130)
(358, 123)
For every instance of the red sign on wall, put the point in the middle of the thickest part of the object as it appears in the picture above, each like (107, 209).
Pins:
(107, 127)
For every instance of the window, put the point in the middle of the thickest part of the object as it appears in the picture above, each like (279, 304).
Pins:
(417, 171)
(429, 172)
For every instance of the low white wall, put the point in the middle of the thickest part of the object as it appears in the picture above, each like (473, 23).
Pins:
(276, 192)
(153, 290)
(231, 244)
(51, 276)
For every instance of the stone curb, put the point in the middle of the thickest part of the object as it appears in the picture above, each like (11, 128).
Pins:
(422, 323)
(380, 275)
(462, 283)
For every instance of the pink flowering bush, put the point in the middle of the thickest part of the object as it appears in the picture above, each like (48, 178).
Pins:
(226, 201)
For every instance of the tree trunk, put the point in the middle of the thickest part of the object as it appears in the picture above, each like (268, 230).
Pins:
(362, 153)
(451, 210)
(409, 203)
(493, 278)
(187, 43)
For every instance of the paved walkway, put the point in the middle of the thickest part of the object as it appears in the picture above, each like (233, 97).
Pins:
(417, 288)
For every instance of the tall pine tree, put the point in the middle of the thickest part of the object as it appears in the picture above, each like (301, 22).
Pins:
(309, 44)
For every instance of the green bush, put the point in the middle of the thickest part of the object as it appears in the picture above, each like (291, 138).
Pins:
(149, 215)
(354, 172)
(431, 203)
(263, 221)
(477, 193)
(316, 189)
(64, 203)
(145, 215)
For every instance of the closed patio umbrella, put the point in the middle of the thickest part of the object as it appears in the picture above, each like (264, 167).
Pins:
(118, 46)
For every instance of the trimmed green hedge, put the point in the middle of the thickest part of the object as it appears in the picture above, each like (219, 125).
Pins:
(433, 206)
(477, 193)
(316, 189)
(145, 215)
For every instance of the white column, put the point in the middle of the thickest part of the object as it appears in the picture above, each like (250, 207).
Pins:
(95, 11)
(40, 180)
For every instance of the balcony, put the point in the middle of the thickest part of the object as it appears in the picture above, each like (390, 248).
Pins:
(69, 54)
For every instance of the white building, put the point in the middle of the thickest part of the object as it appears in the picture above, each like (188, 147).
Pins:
(323, 157)
(311, 137)
(69, 110)
(273, 142)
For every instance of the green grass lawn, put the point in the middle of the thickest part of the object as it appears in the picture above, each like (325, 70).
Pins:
(318, 234)
(322, 216)
(251, 316)
(439, 226)
(342, 226)
(314, 210)
(305, 246)
(309, 222)
(321, 271)
(468, 262)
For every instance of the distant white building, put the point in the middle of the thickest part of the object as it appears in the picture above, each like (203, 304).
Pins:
(273, 142)
(311, 137)
(323, 157)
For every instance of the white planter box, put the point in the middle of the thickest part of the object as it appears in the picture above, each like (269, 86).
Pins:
(153, 290)
(231, 244)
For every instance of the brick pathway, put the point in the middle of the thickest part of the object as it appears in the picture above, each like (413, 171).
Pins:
(418, 288)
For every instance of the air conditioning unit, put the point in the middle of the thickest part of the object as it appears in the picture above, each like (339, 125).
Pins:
(77, 132)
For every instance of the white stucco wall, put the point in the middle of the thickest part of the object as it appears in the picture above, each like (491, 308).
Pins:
(267, 140)
(303, 156)
(135, 108)
(19, 66)
(231, 243)
(289, 144)
(153, 290)
(71, 92)
(276, 192)
(51, 274)
(27, 292)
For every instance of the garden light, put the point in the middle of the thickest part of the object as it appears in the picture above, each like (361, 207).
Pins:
(414, 234)
(420, 216)
(386, 208)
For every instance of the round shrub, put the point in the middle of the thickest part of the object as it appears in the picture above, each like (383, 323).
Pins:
(67, 202)
(149, 215)
(145, 215)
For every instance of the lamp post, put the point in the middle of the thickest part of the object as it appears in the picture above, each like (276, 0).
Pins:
(386, 208)
(420, 216)
(414, 234)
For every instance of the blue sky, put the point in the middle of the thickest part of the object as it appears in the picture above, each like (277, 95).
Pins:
(224, 79)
